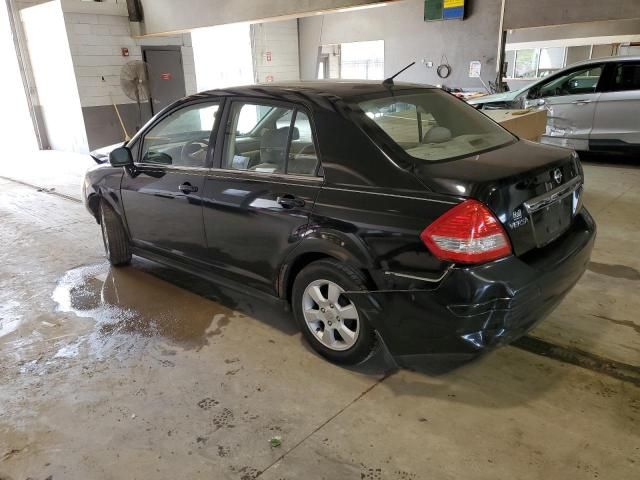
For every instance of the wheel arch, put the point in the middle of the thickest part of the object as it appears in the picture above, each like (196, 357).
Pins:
(93, 203)
(312, 250)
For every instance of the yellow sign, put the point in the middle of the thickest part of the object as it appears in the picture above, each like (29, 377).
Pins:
(453, 3)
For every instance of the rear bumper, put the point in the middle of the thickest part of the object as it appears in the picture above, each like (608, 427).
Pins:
(476, 308)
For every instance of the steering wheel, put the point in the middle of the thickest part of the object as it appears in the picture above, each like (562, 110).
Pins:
(193, 152)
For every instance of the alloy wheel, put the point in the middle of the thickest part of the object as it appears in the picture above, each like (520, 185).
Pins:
(330, 316)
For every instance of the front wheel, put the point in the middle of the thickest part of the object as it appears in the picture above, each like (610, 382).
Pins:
(116, 243)
(330, 322)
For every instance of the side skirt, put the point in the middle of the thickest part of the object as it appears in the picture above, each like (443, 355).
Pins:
(208, 276)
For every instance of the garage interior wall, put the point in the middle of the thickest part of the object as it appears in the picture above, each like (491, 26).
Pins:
(96, 41)
(407, 38)
(275, 51)
(222, 56)
(95, 34)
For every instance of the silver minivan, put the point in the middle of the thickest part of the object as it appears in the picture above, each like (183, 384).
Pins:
(593, 105)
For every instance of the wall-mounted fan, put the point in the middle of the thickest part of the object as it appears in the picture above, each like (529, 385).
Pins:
(134, 80)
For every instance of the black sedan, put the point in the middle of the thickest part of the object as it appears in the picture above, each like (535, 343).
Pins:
(379, 212)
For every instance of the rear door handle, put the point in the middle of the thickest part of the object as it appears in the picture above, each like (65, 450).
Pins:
(289, 201)
(187, 188)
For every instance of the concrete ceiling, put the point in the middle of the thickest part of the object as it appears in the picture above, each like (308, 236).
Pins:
(163, 16)
(540, 13)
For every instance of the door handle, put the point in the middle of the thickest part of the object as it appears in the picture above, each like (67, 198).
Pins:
(581, 102)
(187, 188)
(289, 201)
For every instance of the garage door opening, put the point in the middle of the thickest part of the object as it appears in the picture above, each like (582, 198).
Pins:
(15, 122)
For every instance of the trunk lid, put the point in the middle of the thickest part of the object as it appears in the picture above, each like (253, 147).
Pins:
(534, 190)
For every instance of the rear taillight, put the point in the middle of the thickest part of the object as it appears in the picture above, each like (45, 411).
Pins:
(468, 233)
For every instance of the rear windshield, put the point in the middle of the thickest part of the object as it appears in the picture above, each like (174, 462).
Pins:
(432, 125)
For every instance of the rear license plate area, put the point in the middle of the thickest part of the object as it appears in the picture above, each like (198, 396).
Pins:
(552, 221)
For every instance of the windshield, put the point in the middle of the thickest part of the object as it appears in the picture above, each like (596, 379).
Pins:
(432, 125)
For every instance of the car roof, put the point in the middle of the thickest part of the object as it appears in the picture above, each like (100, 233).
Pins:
(325, 89)
(622, 58)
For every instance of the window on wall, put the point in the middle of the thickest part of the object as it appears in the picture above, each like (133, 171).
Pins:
(352, 61)
(550, 61)
(526, 64)
(362, 60)
(533, 63)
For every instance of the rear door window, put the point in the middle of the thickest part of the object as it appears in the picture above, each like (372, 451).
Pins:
(269, 139)
(303, 159)
(626, 77)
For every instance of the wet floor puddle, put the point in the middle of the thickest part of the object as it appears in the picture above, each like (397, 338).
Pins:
(130, 301)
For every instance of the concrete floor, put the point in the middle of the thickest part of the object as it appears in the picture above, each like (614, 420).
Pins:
(143, 373)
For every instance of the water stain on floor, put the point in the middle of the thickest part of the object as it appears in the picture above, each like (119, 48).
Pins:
(615, 271)
(9, 317)
(129, 301)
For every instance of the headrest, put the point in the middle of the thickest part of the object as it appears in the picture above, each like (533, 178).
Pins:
(437, 135)
(278, 138)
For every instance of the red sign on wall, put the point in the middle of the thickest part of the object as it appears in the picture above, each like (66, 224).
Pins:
(269, 78)
(165, 76)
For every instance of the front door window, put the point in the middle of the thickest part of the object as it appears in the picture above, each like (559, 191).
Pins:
(576, 82)
(182, 138)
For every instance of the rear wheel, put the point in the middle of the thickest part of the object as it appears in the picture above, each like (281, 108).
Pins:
(330, 322)
(116, 243)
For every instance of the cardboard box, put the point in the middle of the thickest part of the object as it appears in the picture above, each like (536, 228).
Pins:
(527, 124)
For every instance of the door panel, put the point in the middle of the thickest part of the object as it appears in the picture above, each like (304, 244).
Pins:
(162, 193)
(570, 120)
(570, 99)
(616, 117)
(257, 205)
(161, 215)
(166, 77)
(253, 220)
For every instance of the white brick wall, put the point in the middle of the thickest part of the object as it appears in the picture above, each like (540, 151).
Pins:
(281, 40)
(96, 40)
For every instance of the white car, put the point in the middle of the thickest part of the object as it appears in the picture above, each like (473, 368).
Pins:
(591, 106)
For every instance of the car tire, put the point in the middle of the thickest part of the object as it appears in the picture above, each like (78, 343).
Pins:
(116, 243)
(329, 334)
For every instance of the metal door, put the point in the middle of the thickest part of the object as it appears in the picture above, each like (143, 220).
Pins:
(166, 77)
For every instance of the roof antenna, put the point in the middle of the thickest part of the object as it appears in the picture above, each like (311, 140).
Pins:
(389, 81)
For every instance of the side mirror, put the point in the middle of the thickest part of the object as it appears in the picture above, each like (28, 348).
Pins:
(120, 157)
